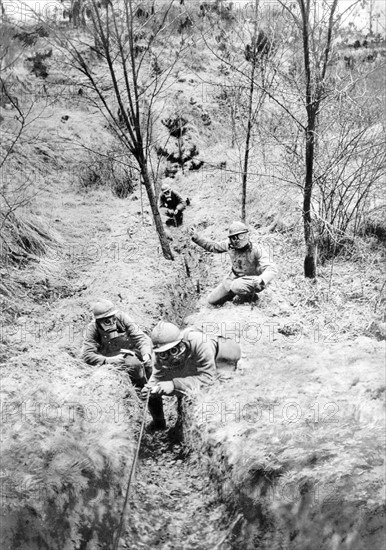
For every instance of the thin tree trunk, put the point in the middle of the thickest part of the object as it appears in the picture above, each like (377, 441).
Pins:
(233, 121)
(165, 246)
(312, 108)
(309, 260)
(247, 147)
(249, 125)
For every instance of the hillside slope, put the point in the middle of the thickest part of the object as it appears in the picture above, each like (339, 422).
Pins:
(285, 452)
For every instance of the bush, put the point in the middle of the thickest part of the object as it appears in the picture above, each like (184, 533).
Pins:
(102, 172)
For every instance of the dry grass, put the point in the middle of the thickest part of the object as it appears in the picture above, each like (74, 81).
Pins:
(64, 457)
(24, 240)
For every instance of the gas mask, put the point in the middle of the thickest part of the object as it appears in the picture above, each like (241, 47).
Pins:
(239, 241)
(108, 325)
(173, 357)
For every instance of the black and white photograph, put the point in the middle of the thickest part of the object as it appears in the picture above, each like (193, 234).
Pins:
(193, 289)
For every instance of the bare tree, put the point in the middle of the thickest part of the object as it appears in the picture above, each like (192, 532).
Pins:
(315, 24)
(336, 156)
(127, 40)
(244, 48)
(304, 86)
(257, 54)
(15, 193)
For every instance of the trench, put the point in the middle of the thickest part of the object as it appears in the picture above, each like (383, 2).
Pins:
(173, 502)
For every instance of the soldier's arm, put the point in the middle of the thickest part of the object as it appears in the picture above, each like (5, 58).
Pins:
(206, 370)
(161, 201)
(269, 268)
(210, 246)
(141, 341)
(181, 204)
(89, 352)
(157, 376)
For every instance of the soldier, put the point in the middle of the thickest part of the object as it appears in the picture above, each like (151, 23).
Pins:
(171, 205)
(109, 333)
(251, 270)
(186, 361)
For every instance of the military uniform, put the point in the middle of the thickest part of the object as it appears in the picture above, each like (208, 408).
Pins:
(99, 344)
(198, 368)
(172, 205)
(251, 265)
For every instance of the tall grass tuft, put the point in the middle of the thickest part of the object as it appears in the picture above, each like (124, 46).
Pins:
(24, 237)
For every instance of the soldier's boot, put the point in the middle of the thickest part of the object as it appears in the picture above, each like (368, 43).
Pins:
(156, 410)
(245, 298)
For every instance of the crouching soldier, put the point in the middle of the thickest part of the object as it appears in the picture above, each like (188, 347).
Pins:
(111, 332)
(251, 270)
(171, 205)
(186, 360)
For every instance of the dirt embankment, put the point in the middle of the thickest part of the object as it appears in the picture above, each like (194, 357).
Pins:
(296, 436)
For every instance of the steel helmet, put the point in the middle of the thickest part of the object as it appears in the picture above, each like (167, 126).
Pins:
(103, 309)
(165, 187)
(165, 336)
(236, 228)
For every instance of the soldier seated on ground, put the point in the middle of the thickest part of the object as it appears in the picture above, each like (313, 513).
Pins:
(110, 333)
(186, 360)
(171, 205)
(251, 270)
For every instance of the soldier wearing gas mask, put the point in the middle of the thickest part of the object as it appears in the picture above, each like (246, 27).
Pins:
(186, 361)
(171, 206)
(252, 268)
(110, 333)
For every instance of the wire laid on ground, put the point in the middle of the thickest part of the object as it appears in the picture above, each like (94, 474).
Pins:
(133, 466)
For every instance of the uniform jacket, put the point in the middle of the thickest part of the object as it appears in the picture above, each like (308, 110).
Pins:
(98, 345)
(173, 202)
(251, 260)
(199, 368)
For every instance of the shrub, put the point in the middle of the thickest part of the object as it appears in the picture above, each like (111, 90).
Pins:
(102, 172)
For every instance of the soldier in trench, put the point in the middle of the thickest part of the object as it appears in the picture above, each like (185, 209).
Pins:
(171, 205)
(186, 361)
(251, 271)
(111, 332)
